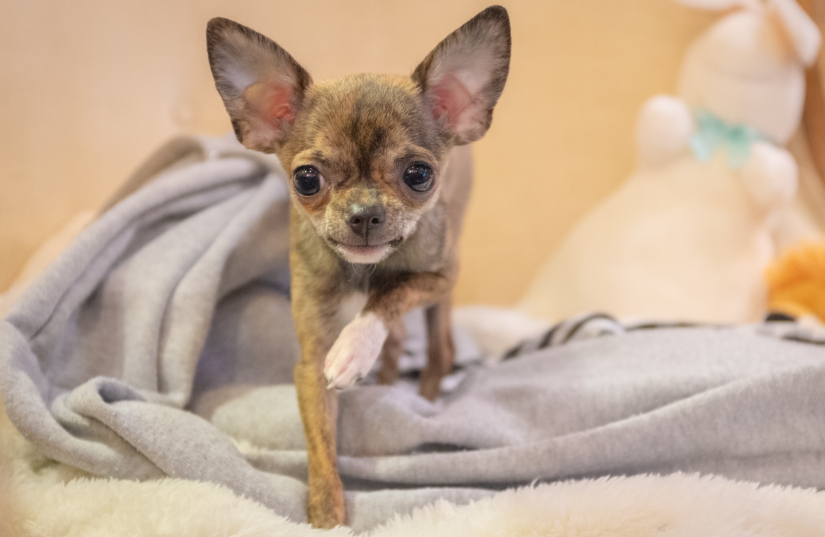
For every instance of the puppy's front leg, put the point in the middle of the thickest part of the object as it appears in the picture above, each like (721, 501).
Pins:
(360, 342)
(393, 348)
(319, 412)
(356, 349)
(319, 409)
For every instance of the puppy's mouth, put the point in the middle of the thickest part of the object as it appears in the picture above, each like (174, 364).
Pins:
(365, 254)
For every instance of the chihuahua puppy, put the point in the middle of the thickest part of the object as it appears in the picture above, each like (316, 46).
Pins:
(375, 211)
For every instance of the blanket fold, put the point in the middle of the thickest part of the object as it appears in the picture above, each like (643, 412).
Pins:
(160, 343)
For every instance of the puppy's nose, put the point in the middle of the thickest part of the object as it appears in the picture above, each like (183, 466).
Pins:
(364, 219)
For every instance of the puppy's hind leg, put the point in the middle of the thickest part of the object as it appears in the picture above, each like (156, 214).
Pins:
(393, 347)
(440, 350)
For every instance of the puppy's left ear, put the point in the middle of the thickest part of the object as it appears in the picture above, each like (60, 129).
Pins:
(261, 85)
(463, 77)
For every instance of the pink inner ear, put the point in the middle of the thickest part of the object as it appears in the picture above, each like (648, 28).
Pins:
(450, 99)
(271, 101)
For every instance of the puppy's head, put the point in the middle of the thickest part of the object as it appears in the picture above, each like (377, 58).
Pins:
(366, 152)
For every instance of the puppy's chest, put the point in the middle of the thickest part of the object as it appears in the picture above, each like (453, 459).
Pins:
(350, 306)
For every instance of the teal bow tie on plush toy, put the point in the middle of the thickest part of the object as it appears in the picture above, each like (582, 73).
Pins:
(713, 132)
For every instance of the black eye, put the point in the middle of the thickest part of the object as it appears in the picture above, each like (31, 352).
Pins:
(419, 177)
(307, 180)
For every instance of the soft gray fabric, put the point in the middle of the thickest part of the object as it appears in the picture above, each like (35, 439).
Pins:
(119, 362)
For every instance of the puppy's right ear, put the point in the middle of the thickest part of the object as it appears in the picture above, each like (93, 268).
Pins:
(261, 85)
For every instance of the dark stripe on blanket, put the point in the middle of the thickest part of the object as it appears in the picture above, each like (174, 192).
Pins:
(592, 317)
(776, 325)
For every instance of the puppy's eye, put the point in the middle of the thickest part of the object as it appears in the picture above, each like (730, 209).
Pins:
(419, 177)
(307, 180)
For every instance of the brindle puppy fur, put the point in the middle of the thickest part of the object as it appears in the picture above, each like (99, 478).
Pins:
(362, 133)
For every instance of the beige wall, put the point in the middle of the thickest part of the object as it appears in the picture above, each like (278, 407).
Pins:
(89, 87)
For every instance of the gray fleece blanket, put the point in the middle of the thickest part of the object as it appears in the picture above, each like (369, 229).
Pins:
(160, 344)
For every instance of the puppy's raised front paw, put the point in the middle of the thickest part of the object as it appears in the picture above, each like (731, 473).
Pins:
(355, 351)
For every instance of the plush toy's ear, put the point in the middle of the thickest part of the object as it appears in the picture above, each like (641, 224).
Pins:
(261, 85)
(800, 29)
(463, 77)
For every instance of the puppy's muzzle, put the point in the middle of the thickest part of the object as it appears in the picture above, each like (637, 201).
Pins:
(366, 220)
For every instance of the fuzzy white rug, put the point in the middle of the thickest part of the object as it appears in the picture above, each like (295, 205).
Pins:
(40, 498)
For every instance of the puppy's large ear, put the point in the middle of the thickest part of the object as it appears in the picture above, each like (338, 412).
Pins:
(261, 85)
(463, 77)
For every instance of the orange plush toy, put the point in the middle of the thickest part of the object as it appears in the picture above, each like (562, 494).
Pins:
(796, 282)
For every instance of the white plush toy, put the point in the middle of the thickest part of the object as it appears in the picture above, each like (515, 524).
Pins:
(688, 235)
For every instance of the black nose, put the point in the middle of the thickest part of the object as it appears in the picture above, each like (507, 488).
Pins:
(365, 219)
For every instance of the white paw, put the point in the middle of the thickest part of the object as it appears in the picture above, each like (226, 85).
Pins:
(355, 351)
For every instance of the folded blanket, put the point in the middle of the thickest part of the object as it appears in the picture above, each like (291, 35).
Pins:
(160, 344)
